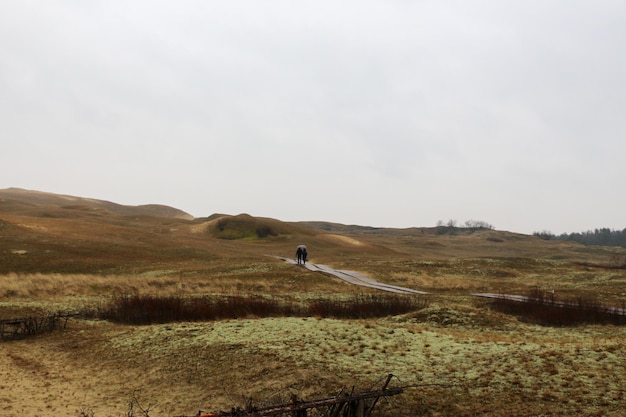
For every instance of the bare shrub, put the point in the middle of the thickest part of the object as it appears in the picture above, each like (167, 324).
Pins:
(135, 408)
(19, 328)
(543, 308)
(141, 309)
(478, 224)
(366, 306)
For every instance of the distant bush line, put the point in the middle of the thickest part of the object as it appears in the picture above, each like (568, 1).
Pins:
(601, 237)
(544, 309)
(450, 227)
(147, 309)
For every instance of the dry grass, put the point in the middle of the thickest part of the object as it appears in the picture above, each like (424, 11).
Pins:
(574, 372)
(459, 357)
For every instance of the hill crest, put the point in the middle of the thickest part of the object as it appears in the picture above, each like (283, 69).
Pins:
(21, 200)
(43, 232)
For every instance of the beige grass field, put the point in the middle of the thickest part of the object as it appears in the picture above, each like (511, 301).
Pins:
(457, 357)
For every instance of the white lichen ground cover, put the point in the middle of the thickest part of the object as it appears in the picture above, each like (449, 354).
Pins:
(583, 369)
(457, 356)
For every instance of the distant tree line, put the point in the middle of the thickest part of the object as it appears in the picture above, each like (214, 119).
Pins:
(450, 226)
(602, 237)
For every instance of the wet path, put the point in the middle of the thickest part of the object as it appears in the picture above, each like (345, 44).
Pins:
(353, 277)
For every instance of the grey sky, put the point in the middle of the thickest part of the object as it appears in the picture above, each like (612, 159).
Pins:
(380, 113)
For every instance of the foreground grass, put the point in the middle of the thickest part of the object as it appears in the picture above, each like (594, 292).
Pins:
(457, 357)
(458, 360)
(460, 357)
(541, 369)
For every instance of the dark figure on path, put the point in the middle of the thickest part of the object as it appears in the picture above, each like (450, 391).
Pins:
(299, 253)
(304, 255)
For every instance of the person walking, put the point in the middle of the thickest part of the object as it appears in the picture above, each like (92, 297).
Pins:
(304, 255)
(299, 255)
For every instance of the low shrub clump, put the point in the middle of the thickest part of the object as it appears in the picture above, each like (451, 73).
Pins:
(543, 308)
(147, 309)
(23, 327)
(366, 306)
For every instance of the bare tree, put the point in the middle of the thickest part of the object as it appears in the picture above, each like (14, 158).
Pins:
(136, 409)
(478, 224)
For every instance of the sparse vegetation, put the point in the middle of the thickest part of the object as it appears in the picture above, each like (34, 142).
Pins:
(544, 308)
(142, 309)
(451, 225)
(243, 226)
(23, 327)
(459, 356)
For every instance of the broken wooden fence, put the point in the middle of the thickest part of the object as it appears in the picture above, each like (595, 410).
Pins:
(359, 404)
(18, 328)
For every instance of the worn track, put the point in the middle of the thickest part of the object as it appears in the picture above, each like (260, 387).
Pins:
(353, 277)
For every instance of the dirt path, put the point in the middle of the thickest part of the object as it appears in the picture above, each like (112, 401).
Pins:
(353, 277)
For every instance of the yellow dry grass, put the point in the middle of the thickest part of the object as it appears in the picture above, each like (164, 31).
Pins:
(480, 369)
(456, 357)
(345, 239)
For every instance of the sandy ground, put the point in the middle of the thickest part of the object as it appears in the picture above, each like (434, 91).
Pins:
(67, 374)
(44, 379)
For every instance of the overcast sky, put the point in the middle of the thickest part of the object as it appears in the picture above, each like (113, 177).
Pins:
(378, 113)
